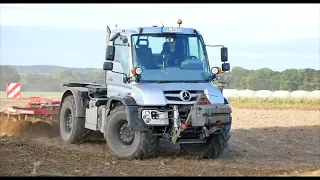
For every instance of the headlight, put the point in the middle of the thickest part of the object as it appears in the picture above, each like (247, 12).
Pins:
(138, 70)
(214, 70)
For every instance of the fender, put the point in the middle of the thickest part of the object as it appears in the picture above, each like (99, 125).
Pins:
(134, 120)
(76, 92)
(226, 101)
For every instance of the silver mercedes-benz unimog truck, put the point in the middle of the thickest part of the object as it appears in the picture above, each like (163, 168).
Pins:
(159, 84)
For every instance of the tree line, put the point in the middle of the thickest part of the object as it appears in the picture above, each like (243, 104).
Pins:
(267, 79)
(238, 78)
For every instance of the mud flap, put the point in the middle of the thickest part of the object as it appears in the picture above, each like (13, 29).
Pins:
(134, 120)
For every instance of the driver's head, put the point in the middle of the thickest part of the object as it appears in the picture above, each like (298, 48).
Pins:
(172, 44)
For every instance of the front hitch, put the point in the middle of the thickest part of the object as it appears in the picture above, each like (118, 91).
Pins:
(204, 114)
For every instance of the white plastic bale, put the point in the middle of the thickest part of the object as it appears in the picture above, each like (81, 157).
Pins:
(263, 94)
(229, 93)
(299, 94)
(314, 95)
(234, 93)
(246, 93)
(280, 94)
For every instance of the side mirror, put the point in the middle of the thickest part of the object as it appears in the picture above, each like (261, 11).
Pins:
(125, 40)
(110, 53)
(108, 66)
(224, 54)
(225, 67)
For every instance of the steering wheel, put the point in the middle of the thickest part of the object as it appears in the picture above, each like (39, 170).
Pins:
(180, 60)
(192, 57)
(187, 57)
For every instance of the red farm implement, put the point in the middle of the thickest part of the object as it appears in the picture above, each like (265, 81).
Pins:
(37, 107)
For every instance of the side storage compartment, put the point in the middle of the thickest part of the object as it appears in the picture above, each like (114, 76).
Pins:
(91, 116)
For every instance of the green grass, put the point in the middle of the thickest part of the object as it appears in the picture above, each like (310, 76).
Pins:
(272, 101)
(28, 94)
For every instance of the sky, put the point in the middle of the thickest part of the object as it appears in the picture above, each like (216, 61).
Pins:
(276, 36)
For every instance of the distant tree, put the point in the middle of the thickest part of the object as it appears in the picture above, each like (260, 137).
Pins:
(315, 82)
(290, 80)
(310, 79)
(267, 79)
(97, 76)
(261, 79)
(41, 83)
(236, 79)
(8, 74)
(275, 82)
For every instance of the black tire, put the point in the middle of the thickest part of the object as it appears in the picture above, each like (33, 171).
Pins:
(142, 144)
(213, 148)
(70, 133)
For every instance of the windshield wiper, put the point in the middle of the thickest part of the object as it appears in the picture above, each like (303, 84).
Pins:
(200, 81)
(165, 81)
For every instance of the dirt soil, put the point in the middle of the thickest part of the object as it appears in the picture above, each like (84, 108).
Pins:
(265, 141)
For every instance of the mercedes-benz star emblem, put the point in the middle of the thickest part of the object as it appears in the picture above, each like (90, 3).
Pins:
(185, 96)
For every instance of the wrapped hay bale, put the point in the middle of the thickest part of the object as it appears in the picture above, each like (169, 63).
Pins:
(299, 94)
(314, 95)
(281, 95)
(230, 93)
(246, 94)
(263, 94)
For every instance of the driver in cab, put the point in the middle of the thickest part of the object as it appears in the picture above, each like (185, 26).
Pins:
(170, 54)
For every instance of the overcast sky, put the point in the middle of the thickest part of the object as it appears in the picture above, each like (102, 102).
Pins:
(277, 36)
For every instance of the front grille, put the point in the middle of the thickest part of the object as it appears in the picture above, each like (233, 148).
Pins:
(173, 97)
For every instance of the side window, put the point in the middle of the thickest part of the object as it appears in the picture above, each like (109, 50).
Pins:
(196, 49)
(193, 47)
(121, 52)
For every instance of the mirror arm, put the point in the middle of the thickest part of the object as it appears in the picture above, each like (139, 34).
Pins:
(114, 36)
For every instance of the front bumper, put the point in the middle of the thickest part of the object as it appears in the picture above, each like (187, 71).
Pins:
(201, 115)
(210, 115)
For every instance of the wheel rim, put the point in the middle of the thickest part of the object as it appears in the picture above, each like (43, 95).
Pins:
(126, 134)
(68, 117)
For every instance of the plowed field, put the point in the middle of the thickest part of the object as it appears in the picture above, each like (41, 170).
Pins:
(265, 140)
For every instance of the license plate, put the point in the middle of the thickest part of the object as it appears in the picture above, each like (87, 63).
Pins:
(172, 29)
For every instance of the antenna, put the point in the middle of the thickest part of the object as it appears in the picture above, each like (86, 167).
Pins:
(162, 24)
(116, 26)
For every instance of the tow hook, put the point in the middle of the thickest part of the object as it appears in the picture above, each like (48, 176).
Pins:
(185, 125)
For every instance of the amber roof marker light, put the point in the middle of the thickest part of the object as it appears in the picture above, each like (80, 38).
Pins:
(179, 22)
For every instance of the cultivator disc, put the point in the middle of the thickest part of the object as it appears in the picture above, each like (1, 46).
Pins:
(38, 107)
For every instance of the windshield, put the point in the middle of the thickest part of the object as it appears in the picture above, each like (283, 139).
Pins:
(170, 58)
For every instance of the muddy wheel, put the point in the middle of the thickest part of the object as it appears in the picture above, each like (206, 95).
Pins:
(71, 128)
(213, 148)
(124, 142)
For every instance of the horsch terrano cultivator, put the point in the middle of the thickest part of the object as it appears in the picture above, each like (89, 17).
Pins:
(37, 107)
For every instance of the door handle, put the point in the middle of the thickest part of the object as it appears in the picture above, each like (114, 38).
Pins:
(110, 79)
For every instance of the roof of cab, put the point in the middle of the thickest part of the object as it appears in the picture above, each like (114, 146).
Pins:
(153, 30)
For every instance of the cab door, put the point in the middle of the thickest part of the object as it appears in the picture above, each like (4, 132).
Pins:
(115, 80)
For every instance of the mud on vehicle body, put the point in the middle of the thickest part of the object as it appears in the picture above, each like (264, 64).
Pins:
(148, 96)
